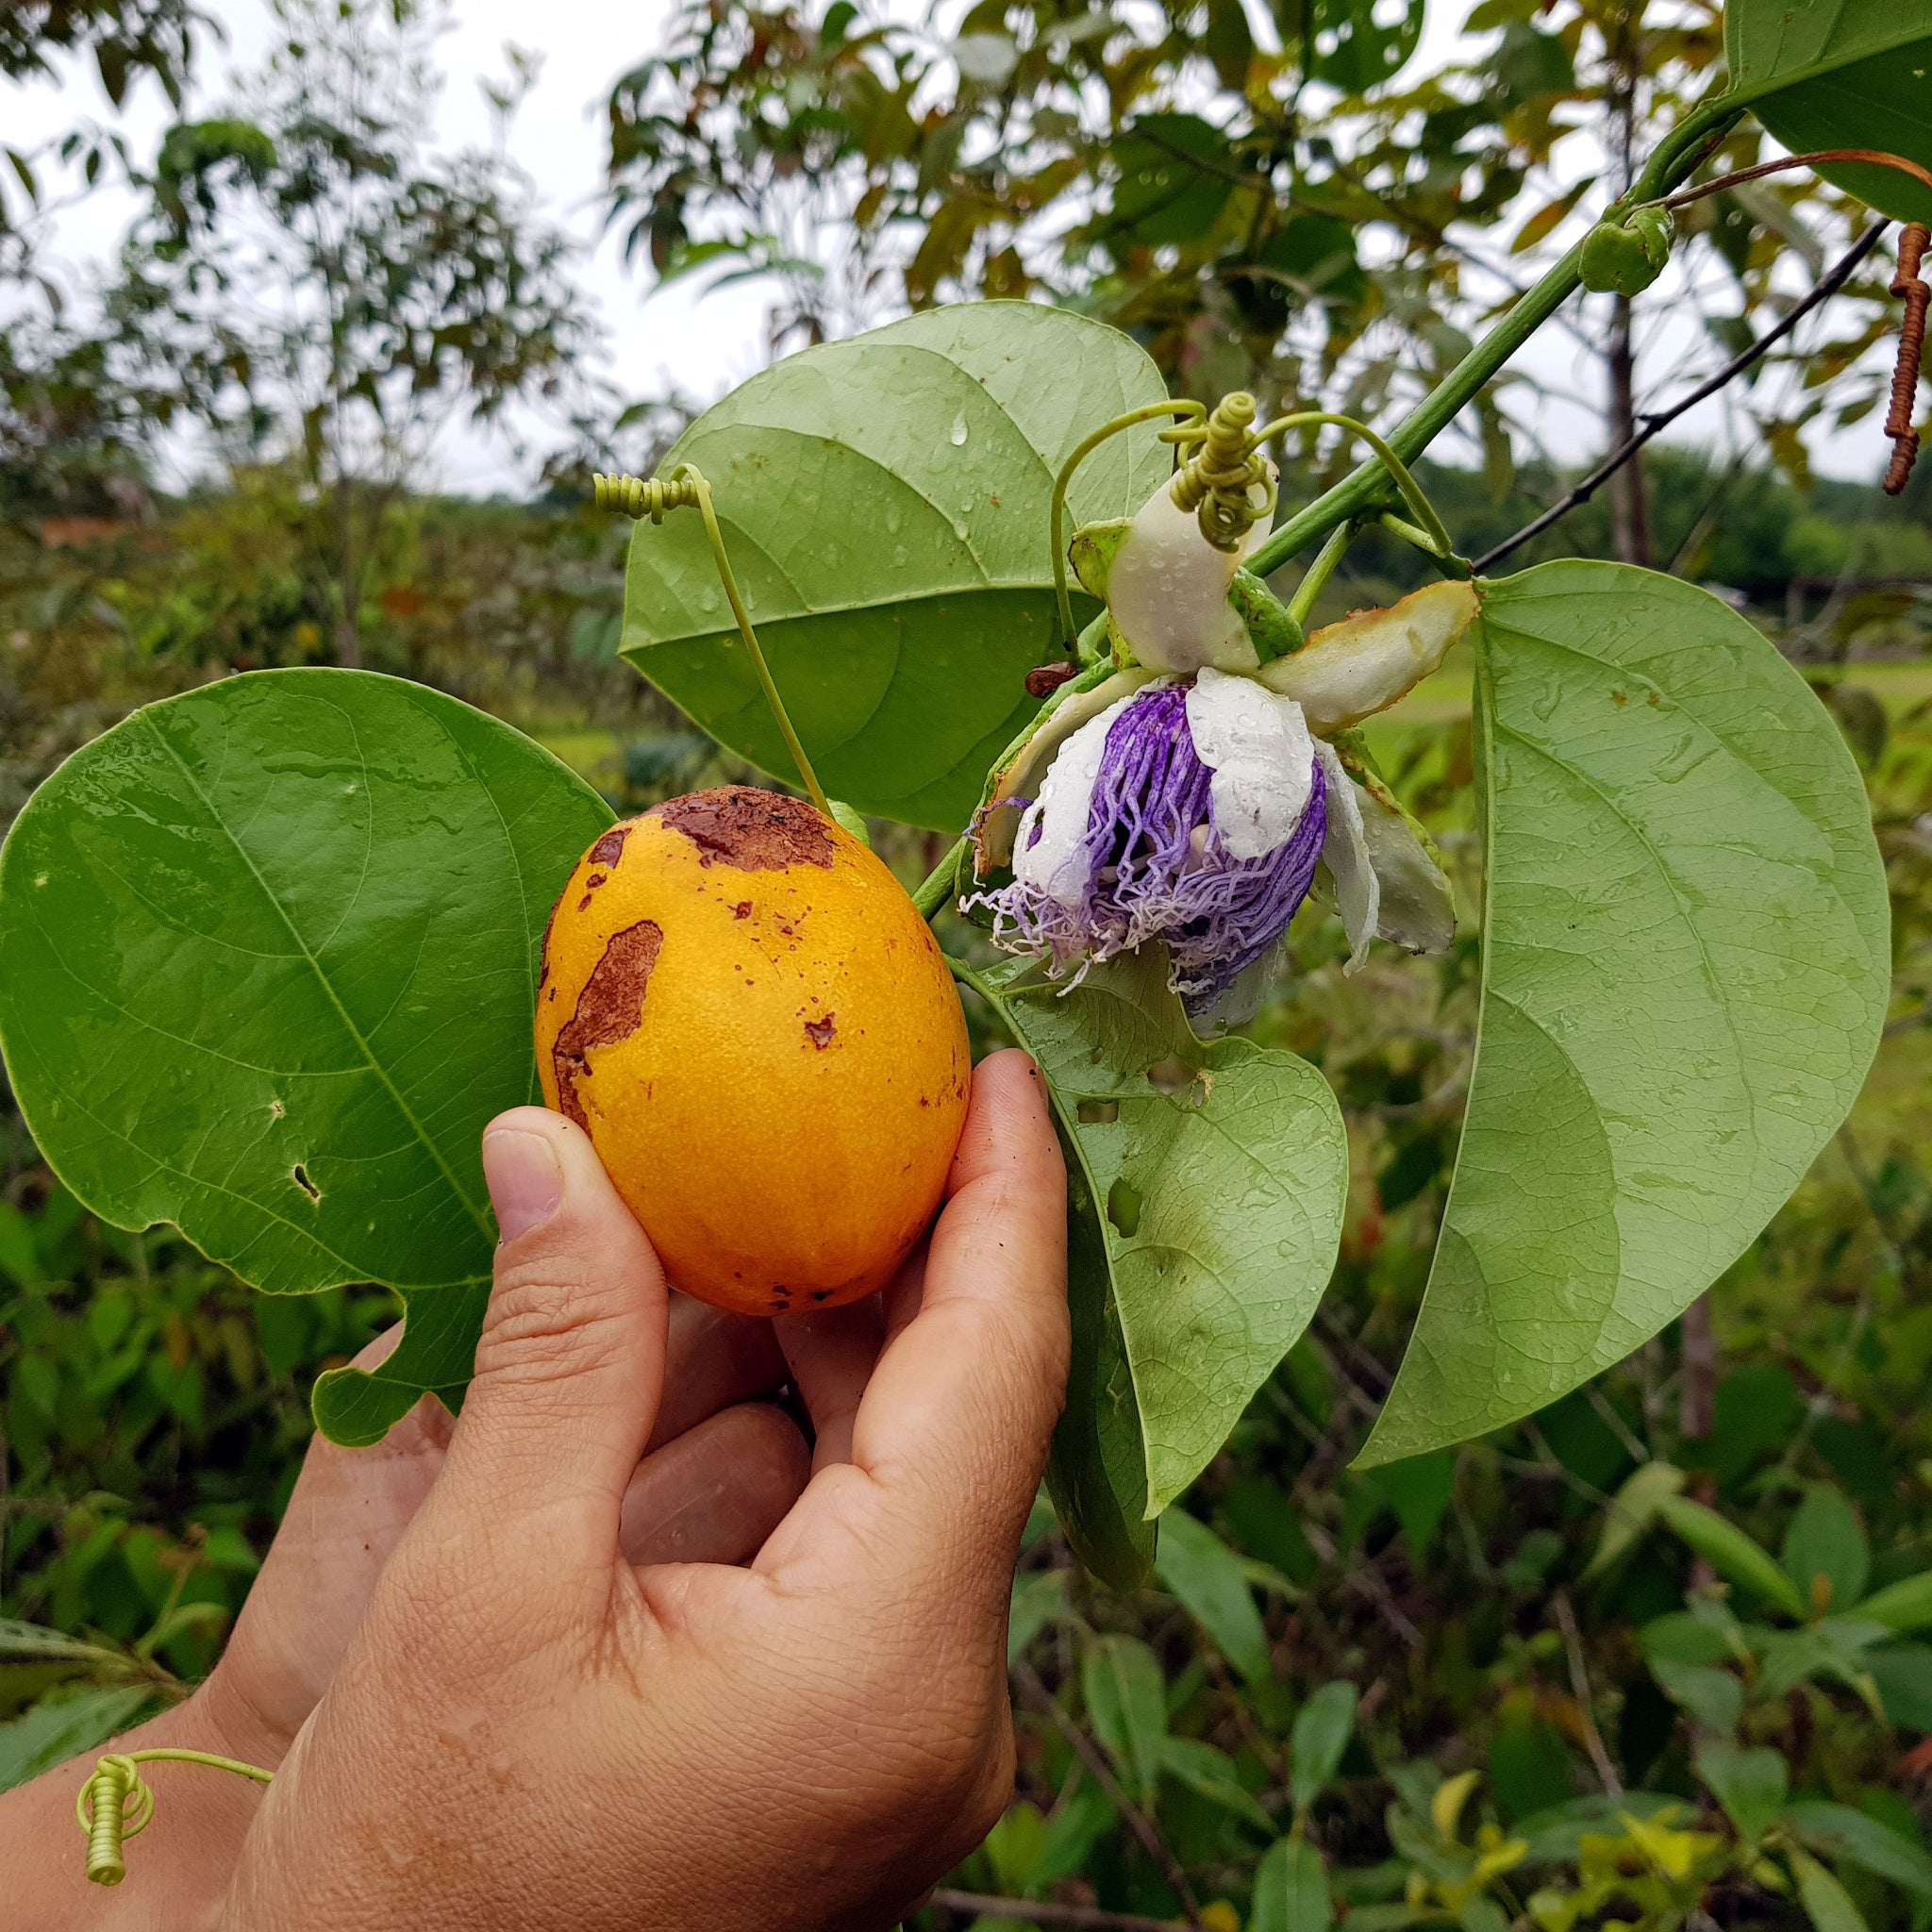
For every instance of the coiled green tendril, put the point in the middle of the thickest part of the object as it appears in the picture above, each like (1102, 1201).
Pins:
(116, 1803)
(685, 488)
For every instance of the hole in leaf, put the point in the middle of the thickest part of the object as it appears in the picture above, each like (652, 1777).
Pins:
(299, 1174)
(1099, 1113)
(1171, 1074)
(1124, 1207)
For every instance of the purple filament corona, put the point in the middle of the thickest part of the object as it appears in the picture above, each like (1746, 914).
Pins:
(1159, 869)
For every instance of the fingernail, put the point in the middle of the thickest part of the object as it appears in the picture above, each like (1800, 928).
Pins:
(525, 1182)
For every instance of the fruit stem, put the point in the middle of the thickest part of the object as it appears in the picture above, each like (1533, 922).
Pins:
(685, 487)
(1192, 411)
(934, 893)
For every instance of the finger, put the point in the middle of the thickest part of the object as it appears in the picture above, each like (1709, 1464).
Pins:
(953, 1429)
(903, 1295)
(348, 1511)
(570, 1366)
(832, 1352)
(713, 1360)
(717, 1491)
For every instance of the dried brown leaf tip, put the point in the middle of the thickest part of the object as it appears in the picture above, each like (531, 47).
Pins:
(1912, 242)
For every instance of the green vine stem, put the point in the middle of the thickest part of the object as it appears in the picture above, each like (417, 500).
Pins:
(934, 892)
(686, 488)
(1330, 554)
(1193, 412)
(116, 1803)
(1674, 159)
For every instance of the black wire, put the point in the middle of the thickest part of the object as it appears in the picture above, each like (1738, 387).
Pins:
(1656, 422)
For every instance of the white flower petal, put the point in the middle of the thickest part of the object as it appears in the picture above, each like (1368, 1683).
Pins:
(1345, 853)
(1418, 905)
(1058, 863)
(1167, 590)
(998, 830)
(1258, 746)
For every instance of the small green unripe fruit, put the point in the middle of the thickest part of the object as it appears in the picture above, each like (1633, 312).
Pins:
(1625, 260)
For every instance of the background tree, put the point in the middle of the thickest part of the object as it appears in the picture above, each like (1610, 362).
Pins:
(1303, 216)
(128, 39)
(311, 286)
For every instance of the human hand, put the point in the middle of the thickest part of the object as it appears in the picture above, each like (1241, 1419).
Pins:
(719, 1470)
(530, 1731)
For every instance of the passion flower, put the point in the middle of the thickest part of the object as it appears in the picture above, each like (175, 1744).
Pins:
(1201, 812)
(1192, 813)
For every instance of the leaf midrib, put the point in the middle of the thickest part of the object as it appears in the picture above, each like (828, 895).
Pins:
(323, 981)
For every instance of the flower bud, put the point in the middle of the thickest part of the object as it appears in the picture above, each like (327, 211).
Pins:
(1624, 259)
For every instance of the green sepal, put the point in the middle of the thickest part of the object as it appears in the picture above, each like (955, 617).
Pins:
(1625, 258)
(1093, 551)
(1352, 748)
(1272, 629)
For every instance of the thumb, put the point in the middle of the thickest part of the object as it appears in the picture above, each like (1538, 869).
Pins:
(570, 1366)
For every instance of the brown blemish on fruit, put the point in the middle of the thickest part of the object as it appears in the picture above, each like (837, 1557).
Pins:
(610, 848)
(822, 1031)
(824, 1294)
(608, 1010)
(299, 1174)
(543, 953)
(583, 903)
(742, 909)
(750, 830)
(596, 879)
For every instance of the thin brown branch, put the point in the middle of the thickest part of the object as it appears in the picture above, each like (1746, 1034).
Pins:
(1580, 1687)
(1365, 1580)
(980, 1904)
(1094, 1759)
(1912, 243)
(1654, 423)
(1272, 1759)
(1866, 156)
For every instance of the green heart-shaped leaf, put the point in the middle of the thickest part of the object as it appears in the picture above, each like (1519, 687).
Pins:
(1217, 1210)
(1685, 968)
(885, 504)
(268, 962)
(1849, 74)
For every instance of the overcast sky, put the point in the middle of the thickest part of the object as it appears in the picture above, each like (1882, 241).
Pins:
(698, 345)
